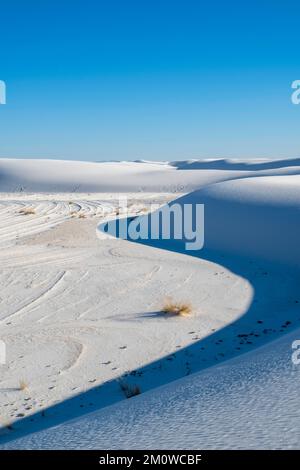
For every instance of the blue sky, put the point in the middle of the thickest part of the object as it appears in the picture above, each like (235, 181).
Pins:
(156, 80)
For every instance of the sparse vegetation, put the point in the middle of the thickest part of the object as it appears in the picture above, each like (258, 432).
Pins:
(7, 425)
(173, 307)
(23, 385)
(78, 214)
(27, 211)
(143, 210)
(129, 390)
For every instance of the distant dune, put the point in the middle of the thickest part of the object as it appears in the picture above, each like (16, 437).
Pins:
(72, 176)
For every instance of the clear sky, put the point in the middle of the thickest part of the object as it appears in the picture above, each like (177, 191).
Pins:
(149, 79)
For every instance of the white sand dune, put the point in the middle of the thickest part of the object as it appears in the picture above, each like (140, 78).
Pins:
(251, 402)
(55, 176)
(77, 313)
(255, 217)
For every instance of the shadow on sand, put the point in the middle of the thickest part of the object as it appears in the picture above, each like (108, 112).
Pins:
(274, 310)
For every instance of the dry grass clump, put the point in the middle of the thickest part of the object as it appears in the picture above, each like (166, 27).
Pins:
(23, 385)
(27, 211)
(6, 425)
(79, 215)
(143, 210)
(173, 307)
(129, 390)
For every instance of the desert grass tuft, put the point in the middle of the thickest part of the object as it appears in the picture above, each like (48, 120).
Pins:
(27, 211)
(23, 385)
(7, 425)
(173, 307)
(129, 390)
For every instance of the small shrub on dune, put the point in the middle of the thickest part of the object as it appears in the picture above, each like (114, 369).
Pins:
(173, 307)
(27, 211)
(78, 214)
(129, 390)
(143, 210)
(23, 385)
(6, 425)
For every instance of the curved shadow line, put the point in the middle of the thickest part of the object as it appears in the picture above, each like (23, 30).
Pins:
(249, 331)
